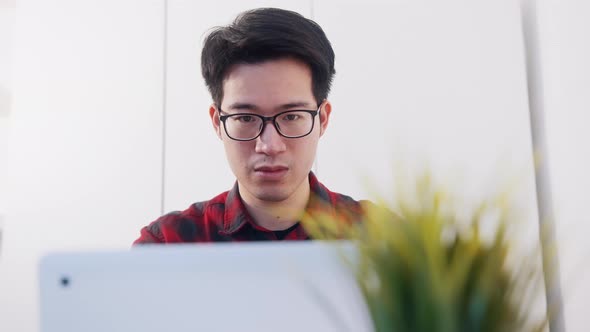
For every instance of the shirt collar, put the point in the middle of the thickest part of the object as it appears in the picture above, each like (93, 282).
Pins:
(236, 215)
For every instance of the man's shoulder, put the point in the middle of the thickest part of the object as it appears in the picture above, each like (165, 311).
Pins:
(344, 201)
(197, 211)
(194, 224)
(359, 210)
(346, 206)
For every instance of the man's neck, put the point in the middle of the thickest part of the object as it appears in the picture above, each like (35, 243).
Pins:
(281, 215)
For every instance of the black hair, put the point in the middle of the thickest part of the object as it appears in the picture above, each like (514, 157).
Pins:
(266, 34)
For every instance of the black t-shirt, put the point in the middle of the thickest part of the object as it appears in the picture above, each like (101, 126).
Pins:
(283, 233)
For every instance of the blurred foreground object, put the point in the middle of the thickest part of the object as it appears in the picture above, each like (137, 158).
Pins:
(535, 90)
(440, 267)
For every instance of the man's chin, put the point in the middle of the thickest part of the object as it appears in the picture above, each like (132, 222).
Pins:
(271, 196)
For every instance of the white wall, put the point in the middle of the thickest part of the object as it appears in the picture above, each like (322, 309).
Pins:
(565, 48)
(86, 150)
(7, 15)
(7, 9)
(440, 81)
(97, 125)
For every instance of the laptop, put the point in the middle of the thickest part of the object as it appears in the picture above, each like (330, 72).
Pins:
(253, 286)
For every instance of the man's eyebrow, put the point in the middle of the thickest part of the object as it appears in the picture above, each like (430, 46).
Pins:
(248, 106)
(295, 104)
(242, 106)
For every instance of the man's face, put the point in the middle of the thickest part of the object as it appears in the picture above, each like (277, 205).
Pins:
(270, 168)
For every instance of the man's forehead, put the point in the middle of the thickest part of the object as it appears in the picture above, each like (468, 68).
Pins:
(271, 85)
(243, 75)
(272, 62)
(241, 105)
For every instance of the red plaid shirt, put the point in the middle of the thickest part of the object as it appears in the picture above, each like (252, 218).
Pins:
(224, 218)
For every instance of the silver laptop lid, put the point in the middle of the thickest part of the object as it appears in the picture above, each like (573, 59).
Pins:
(296, 286)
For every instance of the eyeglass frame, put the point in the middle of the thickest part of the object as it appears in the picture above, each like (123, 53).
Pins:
(266, 119)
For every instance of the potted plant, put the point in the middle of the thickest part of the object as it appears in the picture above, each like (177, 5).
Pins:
(425, 268)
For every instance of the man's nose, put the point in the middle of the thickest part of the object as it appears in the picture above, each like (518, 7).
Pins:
(270, 141)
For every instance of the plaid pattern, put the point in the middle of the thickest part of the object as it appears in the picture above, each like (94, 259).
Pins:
(224, 218)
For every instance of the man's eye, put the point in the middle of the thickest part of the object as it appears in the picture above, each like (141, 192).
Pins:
(244, 118)
(291, 117)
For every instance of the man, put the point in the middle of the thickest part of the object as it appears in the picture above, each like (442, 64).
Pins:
(269, 74)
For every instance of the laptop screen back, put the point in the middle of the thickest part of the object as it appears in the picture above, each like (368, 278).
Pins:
(297, 286)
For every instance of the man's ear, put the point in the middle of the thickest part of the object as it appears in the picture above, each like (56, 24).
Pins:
(325, 111)
(215, 120)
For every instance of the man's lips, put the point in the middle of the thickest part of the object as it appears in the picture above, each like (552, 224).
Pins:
(271, 172)
(270, 169)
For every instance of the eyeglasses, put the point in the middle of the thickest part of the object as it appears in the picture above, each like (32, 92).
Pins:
(248, 126)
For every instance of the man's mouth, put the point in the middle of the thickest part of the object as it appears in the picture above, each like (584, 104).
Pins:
(270, 169)
(271, 172)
